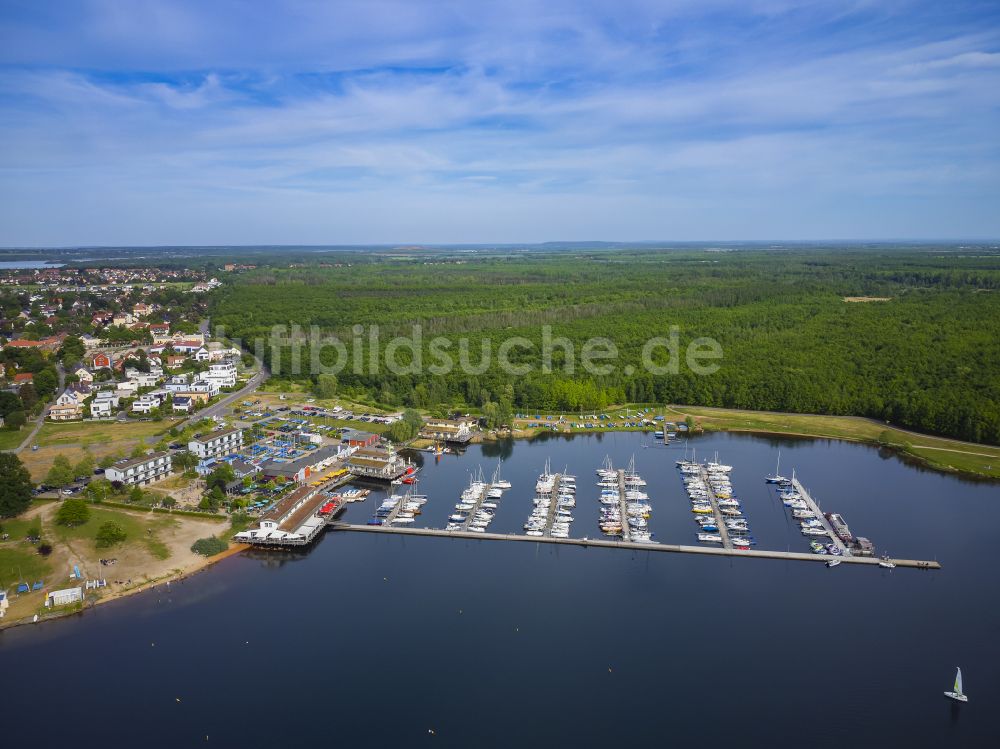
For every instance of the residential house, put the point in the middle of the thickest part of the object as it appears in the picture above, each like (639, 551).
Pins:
(102, 361)
(218, 443)
(66, 408)
(182, 404)
(84, 376)
(142, 470)
(104, 404)
(127, 389)
(222, 374)
(145, 403)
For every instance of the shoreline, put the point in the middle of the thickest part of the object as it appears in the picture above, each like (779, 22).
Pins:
(118, 595)
(904, 450)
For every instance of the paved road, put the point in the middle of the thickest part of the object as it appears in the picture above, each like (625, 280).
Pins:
(30, 439)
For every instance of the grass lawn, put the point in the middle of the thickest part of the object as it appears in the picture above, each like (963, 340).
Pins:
(133, 525)
(17, 528)
(20, 562)
(9, 439)
(89, 433)
(176, 481)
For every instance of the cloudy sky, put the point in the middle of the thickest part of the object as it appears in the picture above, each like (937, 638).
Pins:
(232, 122)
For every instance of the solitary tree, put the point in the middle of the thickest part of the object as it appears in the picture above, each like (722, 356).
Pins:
(73, 512)
(15, 486)
(109, 534)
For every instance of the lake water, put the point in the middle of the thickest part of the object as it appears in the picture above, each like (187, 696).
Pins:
(379, 640)
(27, 264)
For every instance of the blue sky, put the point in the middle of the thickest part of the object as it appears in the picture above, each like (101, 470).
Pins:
(231, 122)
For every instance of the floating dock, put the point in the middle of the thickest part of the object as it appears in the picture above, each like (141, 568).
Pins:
(553, 504)
(720, 522)
(631, 545)
(623, 506)
(814, 508)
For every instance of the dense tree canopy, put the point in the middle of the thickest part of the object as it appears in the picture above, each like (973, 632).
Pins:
(898, 335)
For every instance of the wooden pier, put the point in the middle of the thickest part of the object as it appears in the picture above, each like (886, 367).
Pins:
(814, 508)
(630, 545)
(720, 521)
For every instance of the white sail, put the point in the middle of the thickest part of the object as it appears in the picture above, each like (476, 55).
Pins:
(958, 681)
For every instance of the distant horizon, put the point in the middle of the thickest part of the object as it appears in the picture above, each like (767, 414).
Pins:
(560, 243)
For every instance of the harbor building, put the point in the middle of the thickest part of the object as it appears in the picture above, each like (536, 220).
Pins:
(359, 438)
(447, 430)
(301, 469)
(376, 463)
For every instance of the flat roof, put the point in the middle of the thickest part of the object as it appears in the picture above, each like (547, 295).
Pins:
(222, 432)
(129, 462)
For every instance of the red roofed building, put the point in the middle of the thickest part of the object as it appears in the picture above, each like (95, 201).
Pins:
(102, 361)
(49, 344)
(23, 378)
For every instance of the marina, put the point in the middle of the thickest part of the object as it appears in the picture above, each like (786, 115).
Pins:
(624, 515)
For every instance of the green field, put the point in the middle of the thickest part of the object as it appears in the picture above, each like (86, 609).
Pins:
(91, 433)
(134, 526)
(10, 440)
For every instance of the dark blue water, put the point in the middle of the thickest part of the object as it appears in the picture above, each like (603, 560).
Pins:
(379, 640)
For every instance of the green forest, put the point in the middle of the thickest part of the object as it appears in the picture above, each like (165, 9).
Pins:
(925, 355)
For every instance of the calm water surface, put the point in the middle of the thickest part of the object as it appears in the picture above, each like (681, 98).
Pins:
(379, 640)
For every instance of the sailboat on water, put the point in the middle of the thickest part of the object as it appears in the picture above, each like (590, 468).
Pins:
(777, 478)
(957, 694)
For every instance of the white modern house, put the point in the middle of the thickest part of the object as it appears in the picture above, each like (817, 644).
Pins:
(177, 383)
(222, 374)
(140, 471)
(218, 443)
(102, 408)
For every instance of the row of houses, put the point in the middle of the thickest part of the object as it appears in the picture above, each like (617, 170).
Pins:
(183, 390)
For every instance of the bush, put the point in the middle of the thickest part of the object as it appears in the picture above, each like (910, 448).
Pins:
(45, 549)
(210, 546)
(73, 512)
(110, 534)
(168, 502)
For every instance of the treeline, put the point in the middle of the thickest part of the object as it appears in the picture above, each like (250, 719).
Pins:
(928, 359)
